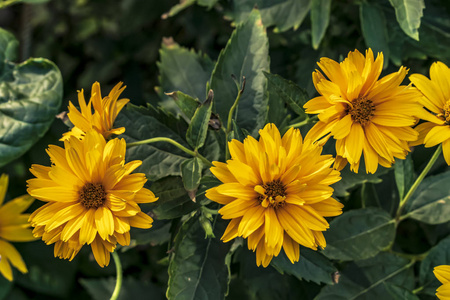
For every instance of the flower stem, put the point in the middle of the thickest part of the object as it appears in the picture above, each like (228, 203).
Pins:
(230, 116)
(418, 181)
(118, 286)
(178, 145)
(304, 122)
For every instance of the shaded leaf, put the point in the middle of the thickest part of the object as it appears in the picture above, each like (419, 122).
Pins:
(197, 130)
(409, 13)
(191, 172)
(320, 17)
(246, 54)
(197, 267)
(5, 287)
(399, 293)
(359, 234)
(186, 103)
(404, 175)
(350, 180)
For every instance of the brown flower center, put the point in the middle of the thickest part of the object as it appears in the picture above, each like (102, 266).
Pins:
(445, 115)
(274, 194)
(92, 195)
(362, 110)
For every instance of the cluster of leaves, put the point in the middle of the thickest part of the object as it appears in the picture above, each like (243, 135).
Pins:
(371, 252)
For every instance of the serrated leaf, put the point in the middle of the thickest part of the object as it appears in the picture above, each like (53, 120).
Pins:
(368, 281)
(183, 70)
(438, 255)
(373, 25)
(246, 54)
(359, 234)
(186, 103)
(312, 266)
(30, 97)
(292, 94)
(198, 128)
(404, 175)
(283, 14)
(158, 159)
(197, 267)
(430, 202)
(320, 17)
(350, 180)
(408, 14)
(173, 201)
(191, 172)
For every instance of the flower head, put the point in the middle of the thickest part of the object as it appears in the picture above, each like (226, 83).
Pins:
(442, 273)
(105, 113)
(14, 227)
(276, 193)
(363, 113)
(92, 197)
(435, 96)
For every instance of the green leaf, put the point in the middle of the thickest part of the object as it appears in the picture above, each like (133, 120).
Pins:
(404, 175)
(400, 293)
(430, 202)
(102, 289)
(320, 17)
(183, 70)
(292, 94)
(438, 255)
(197, 267)
(173, 201)
(350, 180)
(408, 13)
(30, 97)
(246, 54)
(359, 234)
(312, 266)
(158, 159)
(191, 171)
(277, 111)
(207, 3)
(185, 4)
(198, 128)
(186, 103)
(369, 280)
(5, 287)
(283, 14)
(374, 29)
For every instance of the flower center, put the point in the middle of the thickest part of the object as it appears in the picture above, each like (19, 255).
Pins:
(362, 110)
(445, 115)
(92, 195)
(272, 194)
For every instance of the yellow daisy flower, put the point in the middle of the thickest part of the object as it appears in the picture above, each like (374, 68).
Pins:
(363, 113)
(442, 273)
(92, 197)
(276, 193)
(435, 96)
(14, 227)
(105, 113)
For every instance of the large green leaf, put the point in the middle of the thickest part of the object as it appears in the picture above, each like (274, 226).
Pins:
(368, 280)
(320, 17)
(246, 54)
(374, 29)
(197, 267)
(198, 128)
(183, 70)
(158, 159)
(399, 293)
(359, 234)
(312, 266)
(404, 175)
(409, 13)
(430, 203)
(439, 255)
(30, 97)
(283, 14)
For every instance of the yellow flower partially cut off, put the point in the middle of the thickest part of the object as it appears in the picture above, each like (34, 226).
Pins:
(276, 193)
(92, 197)
(105, 113)
(364, 114)
(442, 273)
(14, 227)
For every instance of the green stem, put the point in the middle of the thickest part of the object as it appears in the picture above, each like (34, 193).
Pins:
(304, 122)
(418, 181)
(230, 116)
(118, 286)
(178, 145)
(7, 3)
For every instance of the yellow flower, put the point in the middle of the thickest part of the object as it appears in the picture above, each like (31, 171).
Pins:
(276, 193)
(92, 197)
(442, 273)
(364, 114)
(14, 227)
(105, 113)
(435, 96)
